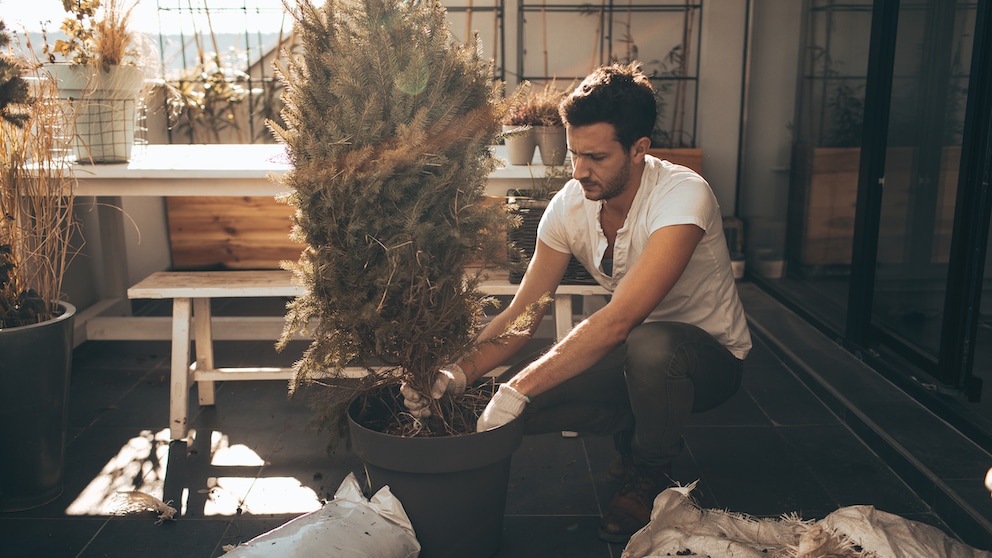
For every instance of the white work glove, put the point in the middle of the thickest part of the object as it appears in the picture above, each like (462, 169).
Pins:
(449, 380)
(505, 406)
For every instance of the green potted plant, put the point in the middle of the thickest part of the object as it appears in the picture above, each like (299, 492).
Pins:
(101, 75)
(388, 128)
(36, 226)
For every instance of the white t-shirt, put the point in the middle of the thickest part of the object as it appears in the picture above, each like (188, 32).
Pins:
(705, 295)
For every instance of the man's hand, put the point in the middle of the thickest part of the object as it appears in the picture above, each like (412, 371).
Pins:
(449, 380)
(505, 406)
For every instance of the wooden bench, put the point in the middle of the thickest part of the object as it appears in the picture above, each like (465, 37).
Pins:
(191, 292)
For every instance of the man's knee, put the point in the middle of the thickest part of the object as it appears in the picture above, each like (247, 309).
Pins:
(655, 347)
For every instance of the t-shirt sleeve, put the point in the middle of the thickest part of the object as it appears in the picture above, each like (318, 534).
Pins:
(688, 202)
(551, 229)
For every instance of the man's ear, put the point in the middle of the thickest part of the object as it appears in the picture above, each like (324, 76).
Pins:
(640, 149)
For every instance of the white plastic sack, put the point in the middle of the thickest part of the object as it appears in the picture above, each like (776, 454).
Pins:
(679, 527)
(349, 525)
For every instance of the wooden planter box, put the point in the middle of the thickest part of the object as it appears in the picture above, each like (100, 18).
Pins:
(831, 202)
(691, 157)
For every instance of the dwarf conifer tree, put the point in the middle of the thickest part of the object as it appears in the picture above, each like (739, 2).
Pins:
(388, 129)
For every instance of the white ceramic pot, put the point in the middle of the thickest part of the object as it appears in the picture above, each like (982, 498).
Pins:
(103, 105)
(520, 147)
(551, 143)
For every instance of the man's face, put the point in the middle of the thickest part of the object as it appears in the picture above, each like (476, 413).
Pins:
(599, 162)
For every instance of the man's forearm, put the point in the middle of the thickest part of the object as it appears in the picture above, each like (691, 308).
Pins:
(588, 342)
(491, 352)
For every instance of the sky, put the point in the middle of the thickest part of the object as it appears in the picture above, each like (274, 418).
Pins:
(229, 15)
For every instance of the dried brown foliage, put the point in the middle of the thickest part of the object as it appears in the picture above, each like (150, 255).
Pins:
(36, 201)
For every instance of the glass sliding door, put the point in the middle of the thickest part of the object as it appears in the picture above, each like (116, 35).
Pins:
(981, 370)
(922, 158)
(864, 183)
(773, 39)
(804, 113)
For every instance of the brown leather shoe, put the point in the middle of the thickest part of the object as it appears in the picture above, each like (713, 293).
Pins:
(630, 509)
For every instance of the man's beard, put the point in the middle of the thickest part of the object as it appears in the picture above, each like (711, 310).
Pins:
(616, 185)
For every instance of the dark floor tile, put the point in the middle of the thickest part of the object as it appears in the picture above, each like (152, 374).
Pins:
(255, 412)
(144, 406)
(600, 450)
(257, 354)
(94, 393)
(854, 382)
(848, 471)
(761, 354)
(739, 410)
(975, 492)
(303, 457)
(739, 450)
(323, 479)
(111, 355)
(550, 476)
(527, 536)
(750, 470)
(266, 306)
(974, 530)
(783, 398)
(930, 440)
(140, 536)
(790, 405)
(223, 493)
(760, 374)
(32, 538)
(98, 464)
(242, 529)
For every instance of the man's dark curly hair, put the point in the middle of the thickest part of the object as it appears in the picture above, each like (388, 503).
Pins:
(617, 94)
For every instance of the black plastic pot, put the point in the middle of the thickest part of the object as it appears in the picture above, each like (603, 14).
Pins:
(35, 362)
(453, 488)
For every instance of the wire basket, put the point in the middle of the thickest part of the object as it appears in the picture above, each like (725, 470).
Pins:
(524, 238)
(104, 106)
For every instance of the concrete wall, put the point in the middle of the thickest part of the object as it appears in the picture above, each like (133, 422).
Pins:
(720, 75)
(768, 118)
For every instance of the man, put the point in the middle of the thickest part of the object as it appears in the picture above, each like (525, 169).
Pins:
(673, 336)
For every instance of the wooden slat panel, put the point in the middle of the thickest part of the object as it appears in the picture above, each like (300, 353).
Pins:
(230, 232)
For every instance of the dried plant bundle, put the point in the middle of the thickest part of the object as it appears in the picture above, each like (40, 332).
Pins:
(115, 39)
(389, 125)
(545, 102)
(97, 35)
(36, 201)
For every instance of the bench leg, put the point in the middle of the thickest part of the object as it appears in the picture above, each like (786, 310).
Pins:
(204, 337)
(179, 375)
(563, 315)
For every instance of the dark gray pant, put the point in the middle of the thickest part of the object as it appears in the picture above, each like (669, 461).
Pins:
(651, 384)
